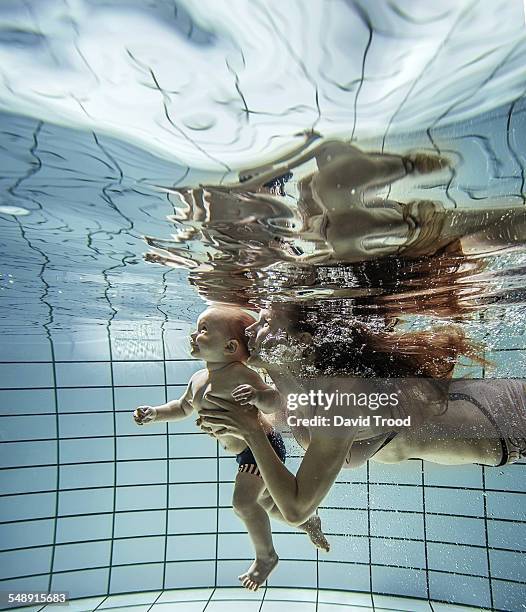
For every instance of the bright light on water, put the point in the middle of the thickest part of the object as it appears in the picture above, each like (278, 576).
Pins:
(16, 211)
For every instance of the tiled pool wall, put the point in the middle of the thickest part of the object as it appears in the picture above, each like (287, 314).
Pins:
(93, 504)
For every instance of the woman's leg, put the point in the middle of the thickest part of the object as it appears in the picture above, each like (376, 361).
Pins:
(486, 231)
(357, 170)
(460, 436)
(312, 526)
(445, 451)
(372, 168)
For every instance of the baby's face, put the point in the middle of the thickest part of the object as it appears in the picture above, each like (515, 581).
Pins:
(210, 339)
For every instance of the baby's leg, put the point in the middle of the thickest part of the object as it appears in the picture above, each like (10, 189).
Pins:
(247, 489)
(312, 526)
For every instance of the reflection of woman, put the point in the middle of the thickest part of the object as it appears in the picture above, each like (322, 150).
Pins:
(322, 204)
(485, 421)
(339, 201)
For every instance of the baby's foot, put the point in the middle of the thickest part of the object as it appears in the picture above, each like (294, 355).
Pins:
(312, 528)
(424, 163)
(258, 572)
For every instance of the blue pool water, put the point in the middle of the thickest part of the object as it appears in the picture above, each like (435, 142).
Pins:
(107, 106)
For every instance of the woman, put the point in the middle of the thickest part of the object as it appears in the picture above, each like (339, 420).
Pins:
(480, 422)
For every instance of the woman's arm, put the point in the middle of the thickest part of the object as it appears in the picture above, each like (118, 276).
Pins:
(268, 401)
(298, 496)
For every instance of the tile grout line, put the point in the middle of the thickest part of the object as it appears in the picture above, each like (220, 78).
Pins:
(167, 436)
(425, 528)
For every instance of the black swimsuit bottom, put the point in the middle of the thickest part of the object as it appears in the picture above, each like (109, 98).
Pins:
(489, 416)
(390, 436)
(246, 457)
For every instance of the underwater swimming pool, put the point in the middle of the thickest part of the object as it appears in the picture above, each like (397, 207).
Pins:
(103, 143)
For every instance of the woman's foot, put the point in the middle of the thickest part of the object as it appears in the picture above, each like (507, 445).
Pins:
(312, 528)
(424, 163)
(258, 572)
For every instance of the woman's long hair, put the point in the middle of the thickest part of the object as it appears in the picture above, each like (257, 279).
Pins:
(388, 353)
(374, 348)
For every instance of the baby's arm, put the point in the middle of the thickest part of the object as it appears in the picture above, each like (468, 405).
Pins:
(255, 391)
(267, 400)
(171, 411)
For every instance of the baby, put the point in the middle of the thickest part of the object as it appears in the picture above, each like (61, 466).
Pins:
(220, 341)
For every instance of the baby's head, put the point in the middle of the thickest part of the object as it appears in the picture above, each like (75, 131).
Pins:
(220, 335)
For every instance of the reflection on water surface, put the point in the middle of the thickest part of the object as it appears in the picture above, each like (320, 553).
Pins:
(289, 171)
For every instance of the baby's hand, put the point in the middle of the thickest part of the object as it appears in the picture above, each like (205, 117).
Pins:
(144, 415)
(245, 394)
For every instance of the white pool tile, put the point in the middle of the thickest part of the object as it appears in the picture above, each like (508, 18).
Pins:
(129, 599)
(347, 598)
(87, 604)
(446, 607)
(387, 602)
(273, 594)
(289, 606)
(182, 595)
(264, 600)
(129, 608)
(237, 593)
(335, 607)
(236, 605)
(180, 606)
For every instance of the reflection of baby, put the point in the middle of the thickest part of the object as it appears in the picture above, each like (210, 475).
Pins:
(220, 341)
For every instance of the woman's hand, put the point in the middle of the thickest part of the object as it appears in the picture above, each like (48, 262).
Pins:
(236, 420)
(208, 429)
